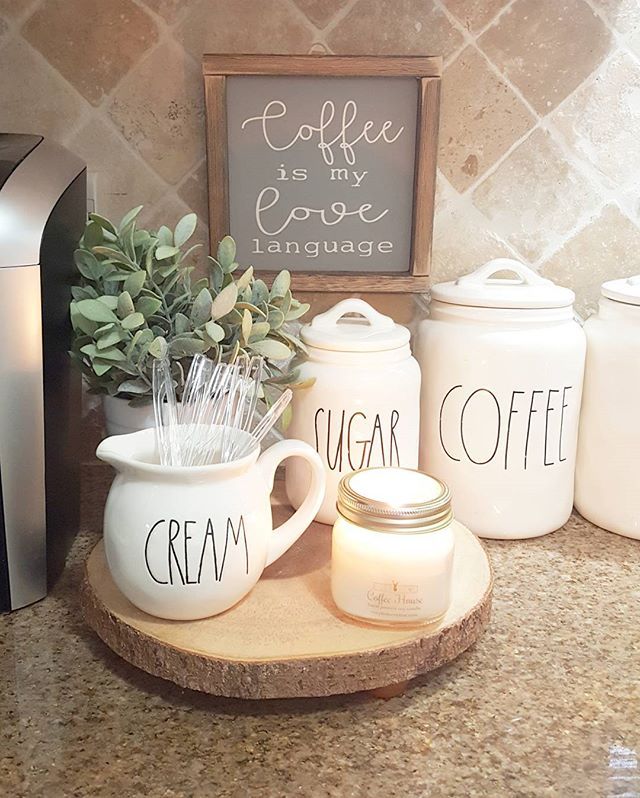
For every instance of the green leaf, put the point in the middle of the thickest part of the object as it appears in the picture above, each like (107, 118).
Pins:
(260, 292)
(247, 323)
(185, 229)
(181, 324)
(273, 350)
(286, 417)
(90, 350)
(125, 305)
(167, 269)
(217, 275)
(103, 222)
(111, 338)
(87, 264)
(110, 301)
(285, 303)
(245, 279)
(185, 347)
(275, 318)
(116, 255)
(111, 353)
(214, 331)
(83, 292)
(225, 301)
(92, 236)
(252, 308)
(281, 284)
(129, 217)
(164, 251)
(134, 386)
(140, 238)
(94, 310)
(259, 331)
(296, 312)
(158, 347)
(148, 306)
(135, 282)
(101, 368)
(202, 308)
(165, 236)
(132, 321)
(226, 252)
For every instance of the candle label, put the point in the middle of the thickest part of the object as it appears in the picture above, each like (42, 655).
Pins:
(395, 599)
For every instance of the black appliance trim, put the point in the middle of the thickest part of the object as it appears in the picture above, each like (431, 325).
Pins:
(5, 589)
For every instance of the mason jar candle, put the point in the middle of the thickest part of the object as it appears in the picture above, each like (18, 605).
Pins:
(392, 547)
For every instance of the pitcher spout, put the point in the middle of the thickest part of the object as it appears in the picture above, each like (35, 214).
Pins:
(121, 451)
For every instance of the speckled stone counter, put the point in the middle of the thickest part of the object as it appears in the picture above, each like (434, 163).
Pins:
(548, 703)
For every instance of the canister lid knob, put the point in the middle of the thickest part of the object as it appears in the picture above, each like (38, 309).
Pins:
(370, 331)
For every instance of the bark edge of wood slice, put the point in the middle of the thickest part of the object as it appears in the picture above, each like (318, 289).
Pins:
(286, 639)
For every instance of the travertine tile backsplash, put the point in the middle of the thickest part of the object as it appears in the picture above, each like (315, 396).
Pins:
(540, 133)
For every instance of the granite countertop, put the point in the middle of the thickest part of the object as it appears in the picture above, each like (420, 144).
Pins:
(547, 703)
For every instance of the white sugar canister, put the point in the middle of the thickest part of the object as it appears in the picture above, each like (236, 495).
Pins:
(608, 467)
(502, 367)
(363, 408)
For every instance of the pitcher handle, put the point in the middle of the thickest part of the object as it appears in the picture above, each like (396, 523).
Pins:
(286, 534)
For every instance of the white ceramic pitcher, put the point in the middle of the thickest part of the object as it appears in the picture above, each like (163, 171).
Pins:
(186, 543)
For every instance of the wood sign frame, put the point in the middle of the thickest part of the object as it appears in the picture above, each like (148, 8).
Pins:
(426, 70)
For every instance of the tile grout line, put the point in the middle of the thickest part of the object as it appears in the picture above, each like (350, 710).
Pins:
(312, 27)
(337, 18)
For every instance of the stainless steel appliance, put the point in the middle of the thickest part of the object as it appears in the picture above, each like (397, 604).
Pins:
(42, 214)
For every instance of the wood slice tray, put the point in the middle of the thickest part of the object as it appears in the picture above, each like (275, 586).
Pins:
(287, 638)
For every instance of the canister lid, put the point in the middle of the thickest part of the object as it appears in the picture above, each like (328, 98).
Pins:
(397, 500)
(482, 289)
(373, 332)
(626, 289)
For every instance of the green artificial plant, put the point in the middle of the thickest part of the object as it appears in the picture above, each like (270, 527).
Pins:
(138, 299)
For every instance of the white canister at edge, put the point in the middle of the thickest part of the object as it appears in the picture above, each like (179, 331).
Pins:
(608, 467)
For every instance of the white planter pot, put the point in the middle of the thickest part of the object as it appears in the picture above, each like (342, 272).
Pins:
(121, 418)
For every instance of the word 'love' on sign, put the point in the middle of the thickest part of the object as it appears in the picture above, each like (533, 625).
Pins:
(325, 165)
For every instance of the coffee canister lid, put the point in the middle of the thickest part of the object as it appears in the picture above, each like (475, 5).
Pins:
(371, 332)
(399, 500)
(482, 289)
(626, 289)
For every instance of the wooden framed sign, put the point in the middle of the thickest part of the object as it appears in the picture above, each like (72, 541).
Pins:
(325, 165)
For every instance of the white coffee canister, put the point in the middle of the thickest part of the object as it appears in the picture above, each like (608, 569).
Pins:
(363, 409)
(608, 467)
(502, 368)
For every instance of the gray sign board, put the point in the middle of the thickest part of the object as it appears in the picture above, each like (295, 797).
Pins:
(321, 171)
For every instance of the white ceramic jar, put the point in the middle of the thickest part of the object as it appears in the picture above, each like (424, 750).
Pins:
(502, 368)
(363, 409)
(608, 467)
(392, 547)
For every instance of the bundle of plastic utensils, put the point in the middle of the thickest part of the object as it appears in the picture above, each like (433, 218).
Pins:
(217, 420)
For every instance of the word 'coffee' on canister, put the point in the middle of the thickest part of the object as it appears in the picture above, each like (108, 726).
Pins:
(363, 408)
(392, 547)
(502, 366)
(607, 472)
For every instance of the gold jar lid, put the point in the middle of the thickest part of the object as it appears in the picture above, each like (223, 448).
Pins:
(399, 500)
